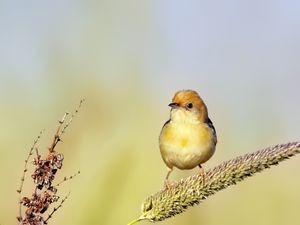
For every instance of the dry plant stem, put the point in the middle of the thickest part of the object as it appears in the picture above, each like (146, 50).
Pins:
(61, 130)
(26, 161)
(56, 208)
(67, 178)
(57, 137)
(193, 190)
(71, 118)
(25, 169)
(45, 170)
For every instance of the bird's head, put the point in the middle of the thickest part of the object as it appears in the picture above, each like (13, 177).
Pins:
(187, 106)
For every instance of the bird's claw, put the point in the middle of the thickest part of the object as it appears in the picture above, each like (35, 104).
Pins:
(202, 173)
(169, 184)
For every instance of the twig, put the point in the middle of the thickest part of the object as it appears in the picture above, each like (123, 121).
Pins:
(67, 178)
(38, 156)
(26, 161)
(25, 170)
(56, 208)
(195, 189)
(56, 137)
(44, 174)
(71, 118)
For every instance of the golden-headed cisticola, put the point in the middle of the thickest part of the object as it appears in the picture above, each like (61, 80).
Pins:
(188, 139)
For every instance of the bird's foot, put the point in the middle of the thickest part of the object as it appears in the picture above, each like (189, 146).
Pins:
(169, 184)
(202, 173)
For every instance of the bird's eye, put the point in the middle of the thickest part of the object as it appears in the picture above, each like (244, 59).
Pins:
(189, 105)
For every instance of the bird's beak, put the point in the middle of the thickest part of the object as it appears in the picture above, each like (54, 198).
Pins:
(174, 105)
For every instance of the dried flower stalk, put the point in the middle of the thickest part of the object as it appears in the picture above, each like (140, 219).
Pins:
(194, 189)
(45, 171)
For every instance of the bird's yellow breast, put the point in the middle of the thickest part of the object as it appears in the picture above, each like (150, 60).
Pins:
(186, 145)
(185, 135)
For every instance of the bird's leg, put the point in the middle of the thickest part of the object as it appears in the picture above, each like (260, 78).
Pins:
(202, 172)
(167, 183)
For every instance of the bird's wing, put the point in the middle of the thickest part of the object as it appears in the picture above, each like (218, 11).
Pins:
(211, 125)
(166, 123)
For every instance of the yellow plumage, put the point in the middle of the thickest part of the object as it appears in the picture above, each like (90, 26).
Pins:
(188, 139)
(186, 145)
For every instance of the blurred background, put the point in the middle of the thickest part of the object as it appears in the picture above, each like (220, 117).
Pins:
(128, 58)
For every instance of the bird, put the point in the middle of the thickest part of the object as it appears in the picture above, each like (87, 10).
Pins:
(188, 139)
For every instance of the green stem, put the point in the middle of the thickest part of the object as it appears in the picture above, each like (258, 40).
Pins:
(134, 221)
